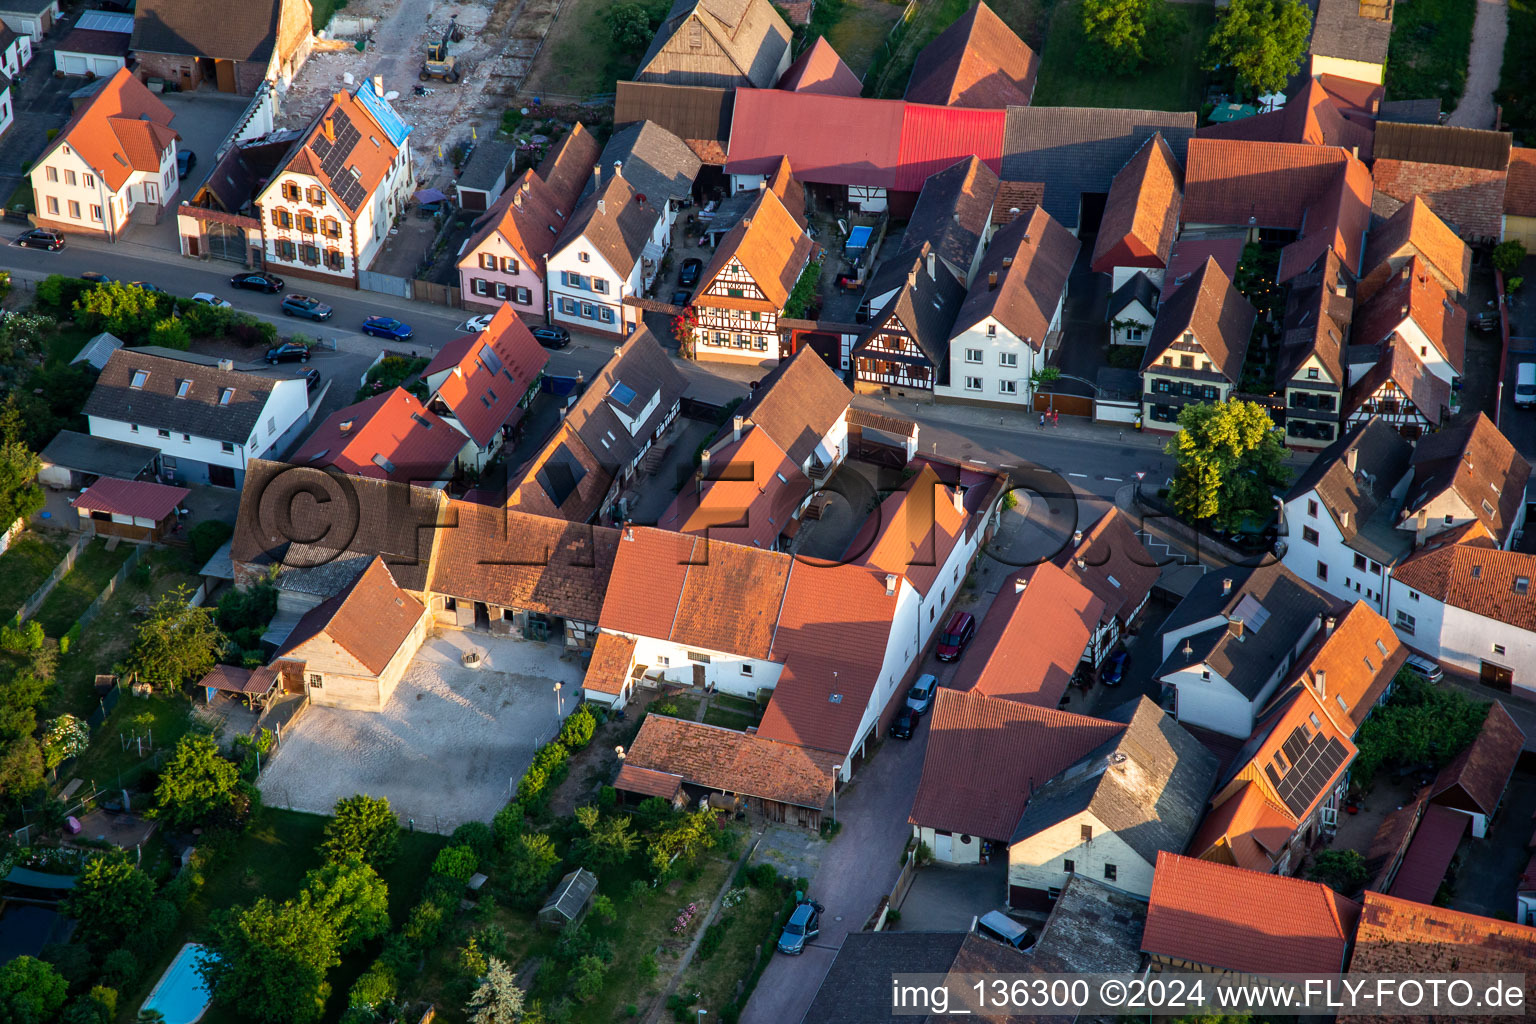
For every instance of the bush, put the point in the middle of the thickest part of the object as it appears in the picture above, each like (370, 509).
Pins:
(713, 936)
(203, 320)
(252, 333)
(763, 876)
(58, 293)
(578, 728)
(26, 637)
(476, 835)
(120, 969)
(169, 332)
(607, 797)
(456, 862)
(508, 825)
(587, 979)
(424, 925)
(207, 537)
(1507, 256)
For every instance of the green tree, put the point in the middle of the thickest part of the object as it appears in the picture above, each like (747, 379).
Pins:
(1507, 256)
(365, 827)
(1264, 41)
(207, 537)
(21, 767)
(607, 842)
(197, 783)
(1343, 871)
(271, 960)
(31, 991)
(63, 738)
(1121, 35)
(178, 642)
(353, 898)
(1420, 725)
(497, 999)
(1229, 458)
(98, 1006)
(20, 495)
(456, 862)
(109, 899)
(587, 978)
(169, 332)
(530, 862)
(630, 27)
(680, 839)
(125, 310)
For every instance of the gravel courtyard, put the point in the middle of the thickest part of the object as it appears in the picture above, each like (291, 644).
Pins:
(449, 745)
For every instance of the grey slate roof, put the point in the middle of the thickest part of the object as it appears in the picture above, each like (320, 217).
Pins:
(857, 987)
(1338, 30)
(643, 366)
(245, 31)
(155, 403)
(1287, 604)
(615, 221)
(488, 163)
(927, 306)
(1426, 111)
(1381, 462)
(1148, 785)
(1138, 289)
(98, 350)
(99, 456)
(1093, 928)
(1080, 149)
(657, 163)
(952, 212)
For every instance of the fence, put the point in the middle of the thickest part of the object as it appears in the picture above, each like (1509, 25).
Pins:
(437, 294)
(880, 67)
(94, 609)
(11, 533)
(893, 900)
(384, 284)
(33, 603)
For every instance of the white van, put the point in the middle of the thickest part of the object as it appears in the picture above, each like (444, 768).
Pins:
(1525, 385)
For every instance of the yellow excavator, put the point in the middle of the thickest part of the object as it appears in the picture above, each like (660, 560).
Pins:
(440, 63)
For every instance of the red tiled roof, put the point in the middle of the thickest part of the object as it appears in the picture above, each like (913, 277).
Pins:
(1246, 921)
(856, 142)
(1415, 230)
(912, 532)
(977, 61)
(1400, 937)
(820, 69)
(832, 635)
(608, 669)
(1352, 96)
(523, 217)
(1190, 254)
(1445, 573)
(771, 246)
(647, 782)
(1303, 720)
(1429, 854)
(1116, 566)
(733, 762)
(1520, 192)
(122, 119)
(369, 620)
(1469, 199)
(1229, 181)
(1030, 642)
(229, 679)
(1399, 364)
(141, 499)
(395, 428)
(933, 138)
(1414, 294)
(1351, 667)
(747, 494)
(1141, 215)
(987, 755)
(1479, 465)
(1476, 778)
(498, 367)
(366, 164)
(1244, 830)
(1338, 220)
(1311, 117)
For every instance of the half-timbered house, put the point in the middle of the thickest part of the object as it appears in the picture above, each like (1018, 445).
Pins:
(907, 344)
(1197, 347)
(1401, 390)
(1311, 368)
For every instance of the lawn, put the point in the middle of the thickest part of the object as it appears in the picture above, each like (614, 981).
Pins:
(1517, 81)
(126, 742)
(65, 342)
(21, 198)
(579, 58)
(888, 73)
(24, 567)
(80, 585)
(743, 929)
(1430, 44)
(854, 28)
(324, 10)
(1173, 82)
(732, 712)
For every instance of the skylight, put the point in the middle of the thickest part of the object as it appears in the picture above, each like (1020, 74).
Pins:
(421, 420)
(383, 463)
(489, 359)
(140, 378)
(322, 453)
(226, 395)
(1253, 614)
(182, 387)
(1113, 582)
(622, 393)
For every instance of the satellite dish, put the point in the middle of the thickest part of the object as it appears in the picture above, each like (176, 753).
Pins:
(392, 95)
(346, 76)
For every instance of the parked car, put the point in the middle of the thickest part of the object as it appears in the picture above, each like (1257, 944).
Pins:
(311, 379)
(902, 725)
(995, 924)
(1430, 670)
(288, 352)
(306, 307)
(386, 327)
(185, 161)
(257, 281)
(1525, 385)
(210, 299)
(1114, 669)
(689, 275)
(476, 324)
(961, 628)
(42, 238)
(95, 277)
(920, 696)
(552, 337)
(432, 209)
(147, 286)
(803, 926)
(681, 297)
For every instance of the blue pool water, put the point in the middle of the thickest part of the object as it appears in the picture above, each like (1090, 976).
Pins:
(180, 994)
(858, 238)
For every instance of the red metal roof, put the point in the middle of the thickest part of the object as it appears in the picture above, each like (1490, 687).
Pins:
(933, 138)
(1430, 853)
(138, 498)
(829, 140)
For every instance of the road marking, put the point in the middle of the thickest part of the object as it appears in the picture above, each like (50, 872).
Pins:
(1113, 480)
(1083, 475)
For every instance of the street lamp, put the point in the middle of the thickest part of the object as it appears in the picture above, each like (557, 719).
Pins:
(559, 702)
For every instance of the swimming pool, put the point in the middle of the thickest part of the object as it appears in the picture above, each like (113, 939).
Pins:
(180, 995)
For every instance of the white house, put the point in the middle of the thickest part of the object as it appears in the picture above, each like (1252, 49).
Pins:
(1011, 316)
(329, 207)
(1466, 475)
(115, 156)
(1414, 305)
(803, 406)
(1232, 640)
(1340, 519)
(15, 50)
(206, 418)
(609, 250)
(659, 165)
(32, 18)
(1135, 240)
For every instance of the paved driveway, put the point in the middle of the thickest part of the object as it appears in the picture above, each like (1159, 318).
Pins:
(447, 748)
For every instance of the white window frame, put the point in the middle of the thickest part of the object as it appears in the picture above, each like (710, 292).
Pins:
(973, 383)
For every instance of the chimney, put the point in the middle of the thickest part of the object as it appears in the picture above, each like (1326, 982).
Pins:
(932, 260)
(329, 128)
(1341, 289)
(1226, 586)
(762, 185)
(992, 281)
(1354, 151)
(704, 461)
(1235, 627)
(890, 584)
(912, 279)
(378, 86)
(1328, 625)
(602, 206)
(1019, 584)
(1344, 518)
(346, 426)
(1189, 651)
(737, 422)
(1082, 563)
(618, 167)
(629, 532)
(1423, 519)
(226, 364)
(526, 186)
(1322, 683)
(959, 500)
(1077, 536)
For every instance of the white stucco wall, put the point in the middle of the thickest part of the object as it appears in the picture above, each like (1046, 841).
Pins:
(1037, 862)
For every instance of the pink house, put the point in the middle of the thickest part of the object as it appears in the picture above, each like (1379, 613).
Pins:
(504, 260)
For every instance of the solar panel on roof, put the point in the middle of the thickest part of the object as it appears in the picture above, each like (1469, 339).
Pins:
(1317, 760)
(489, 359)
(1294, 745)
(1253, 614)
(622, 393)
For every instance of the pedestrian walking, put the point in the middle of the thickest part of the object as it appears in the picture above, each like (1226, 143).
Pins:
(1042, 421)
(1055, 418)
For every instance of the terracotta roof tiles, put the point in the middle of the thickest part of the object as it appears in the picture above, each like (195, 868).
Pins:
(142, 499)
(820, 69)
(747, 493)
(122, 128)
(977, 61)
(1415, 230)
(370, 619)
(1245, 830)
(1478, 578)
(1520, 192)
(1413, 294)
(391, 436)
(1479, 464)
(608, 670)
(1229, 181)
(1031, 640)
(1141, 216)
(499, 366)
(770, 245)
(739, 763)
(1352, 666)
(1115, 566)
(1211, 308)
(1476, 778)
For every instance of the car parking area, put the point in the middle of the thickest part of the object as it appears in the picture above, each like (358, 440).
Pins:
(449, 746)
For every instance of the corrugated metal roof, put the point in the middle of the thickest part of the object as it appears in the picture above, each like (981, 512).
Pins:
(855, 141)
(138, 498)
(933, 138)
(105, 21)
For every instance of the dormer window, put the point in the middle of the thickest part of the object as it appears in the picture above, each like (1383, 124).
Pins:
(140, 378)
(183, 387)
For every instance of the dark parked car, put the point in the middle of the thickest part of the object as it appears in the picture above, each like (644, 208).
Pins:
(185, 160)
(1114, 671)
(306, 307)
(681, 297)
(956, 635)
(386, 327)
(803, 926)
(42, 238)
(689, 275)
(288, 352)
(903, 724)
(258, 282)
(552, 336)
(94, 277)
(147, 286)
(311, 379)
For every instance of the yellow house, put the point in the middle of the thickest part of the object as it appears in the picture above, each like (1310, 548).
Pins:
(1520, 199)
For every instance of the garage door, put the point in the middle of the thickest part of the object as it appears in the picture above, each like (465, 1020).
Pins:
(71, 63)
(105, 67)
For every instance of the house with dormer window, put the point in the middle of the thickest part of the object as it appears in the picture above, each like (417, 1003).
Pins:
(610, 249)
(906, 346)
(206, 418)
(1414, 306)
(482, 384)
(329, 206)
(1311, 367)
(1197, 347)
